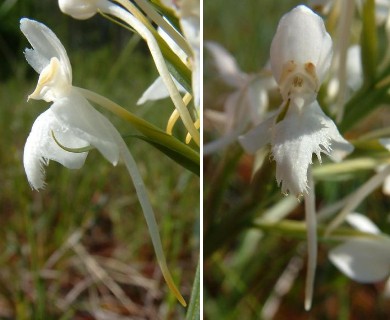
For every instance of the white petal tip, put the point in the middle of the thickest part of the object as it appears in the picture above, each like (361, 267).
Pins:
(308, 305)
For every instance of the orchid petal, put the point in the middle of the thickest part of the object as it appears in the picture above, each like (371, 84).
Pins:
(158, 90)
(362, 223)
(226, 65)
(258, 137)
(45, 45)
(301, 37)
(41, 147)
(363, 260)
(88, 124)
(295, 139)
(236, 110)
(354, 67)
(385, 142)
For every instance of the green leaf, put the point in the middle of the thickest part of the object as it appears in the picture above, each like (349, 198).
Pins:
(176, 155)
(366, 100)
(369, 41)
(166, 143)
(194, 306)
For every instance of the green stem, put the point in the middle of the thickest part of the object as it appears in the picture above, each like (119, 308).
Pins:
(298, 229)
(347, 166)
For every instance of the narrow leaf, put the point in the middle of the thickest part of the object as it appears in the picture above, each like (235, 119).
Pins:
(193, 312)
(175, 155)
(369, 41)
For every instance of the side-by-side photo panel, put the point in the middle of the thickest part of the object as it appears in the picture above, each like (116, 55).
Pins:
(296, 159)
(100, 159)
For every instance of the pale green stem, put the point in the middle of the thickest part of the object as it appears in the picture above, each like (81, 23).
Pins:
(355, 199)
(159, 20)
(155, 51)
(299, 229)
(310, 212)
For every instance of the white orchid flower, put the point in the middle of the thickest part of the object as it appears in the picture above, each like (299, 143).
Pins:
(364, 260)
(246, 104)
(301, 53)
(74, 123)
(72, 120)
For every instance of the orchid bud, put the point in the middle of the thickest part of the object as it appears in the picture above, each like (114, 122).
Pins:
(301, 52)
(79, 9)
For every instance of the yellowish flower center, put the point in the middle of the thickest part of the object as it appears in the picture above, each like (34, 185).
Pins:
(52, 82)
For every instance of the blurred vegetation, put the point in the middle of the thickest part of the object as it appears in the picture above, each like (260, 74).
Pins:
(42, 276)
(242, 265)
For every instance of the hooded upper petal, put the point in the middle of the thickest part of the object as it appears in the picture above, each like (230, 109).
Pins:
(49, 58)
(301, 51)
(363, 260)
(45, 45)
(41, 147)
